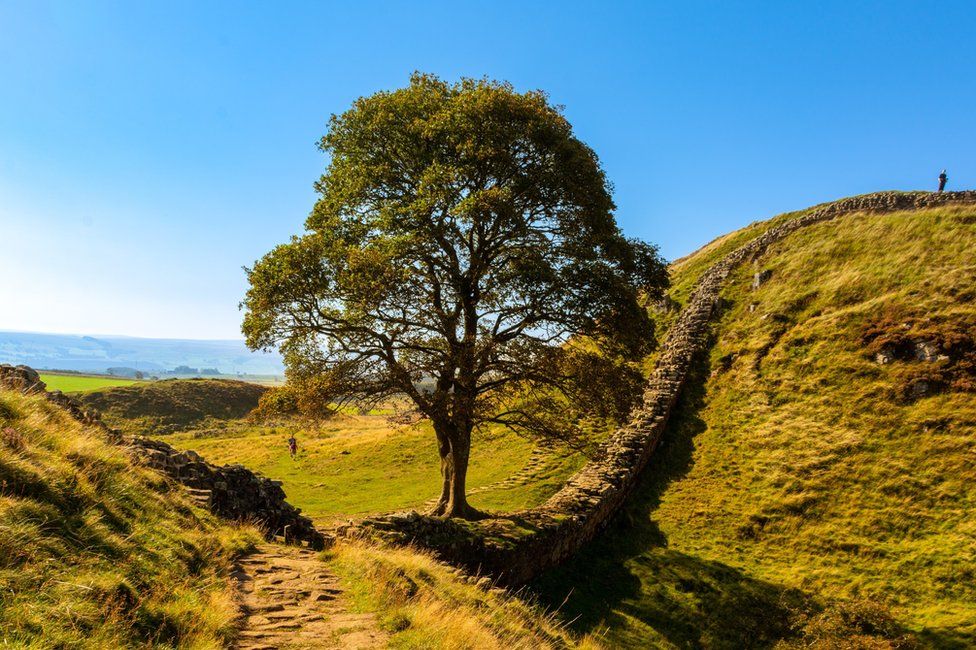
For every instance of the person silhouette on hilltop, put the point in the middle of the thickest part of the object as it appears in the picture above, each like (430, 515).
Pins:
(293, 445)
(942, 180)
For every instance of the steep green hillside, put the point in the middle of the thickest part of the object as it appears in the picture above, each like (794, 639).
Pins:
(165, 406)
(96, 552)
(818, 486)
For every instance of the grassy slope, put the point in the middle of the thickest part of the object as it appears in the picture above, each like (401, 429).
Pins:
(356, 464)
(172, 405)
(79, 383)
(796, 478)
(96, 552)
(424, 604)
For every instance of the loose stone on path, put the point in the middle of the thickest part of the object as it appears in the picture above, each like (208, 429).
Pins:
(292, 600)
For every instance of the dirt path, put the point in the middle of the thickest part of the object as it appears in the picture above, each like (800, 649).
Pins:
(291, 600)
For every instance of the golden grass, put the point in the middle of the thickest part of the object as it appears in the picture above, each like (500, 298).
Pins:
(424, 604)
(96, 552)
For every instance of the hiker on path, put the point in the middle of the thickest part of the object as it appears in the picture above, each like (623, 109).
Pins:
(293, 445)
(942, 180)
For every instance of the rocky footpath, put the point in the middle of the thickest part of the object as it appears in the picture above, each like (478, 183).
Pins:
(230, 491)
(514, 549)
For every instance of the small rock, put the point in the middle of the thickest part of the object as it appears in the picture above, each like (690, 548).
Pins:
(484, 584)
(926, 351)
(760, 278)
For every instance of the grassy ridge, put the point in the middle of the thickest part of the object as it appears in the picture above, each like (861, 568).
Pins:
(96, 552)
(800, 496)
(172, 405)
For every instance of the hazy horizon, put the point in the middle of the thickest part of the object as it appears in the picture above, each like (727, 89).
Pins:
(100, 352)
(110, 335)
(148, 152)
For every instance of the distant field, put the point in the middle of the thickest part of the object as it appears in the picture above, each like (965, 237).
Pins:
(82, 383)
(357, 464)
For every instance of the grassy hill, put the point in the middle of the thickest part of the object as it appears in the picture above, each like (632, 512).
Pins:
(818, 485)
(165, 406)
(96, 552)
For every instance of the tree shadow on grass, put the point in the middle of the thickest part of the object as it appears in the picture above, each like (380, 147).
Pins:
(947, 638)
(627, 580)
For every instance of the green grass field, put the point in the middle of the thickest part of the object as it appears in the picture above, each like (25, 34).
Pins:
(796, 475)
(355, 464)
(81, 383)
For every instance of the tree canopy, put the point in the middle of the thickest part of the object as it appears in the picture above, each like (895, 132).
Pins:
(462, 252)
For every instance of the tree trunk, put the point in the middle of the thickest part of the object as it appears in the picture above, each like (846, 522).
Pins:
(454, 454)
(444, 449)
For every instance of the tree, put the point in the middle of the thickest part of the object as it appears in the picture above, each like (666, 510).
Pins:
(463, 253)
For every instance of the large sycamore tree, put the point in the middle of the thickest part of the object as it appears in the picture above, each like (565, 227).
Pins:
(463, 253)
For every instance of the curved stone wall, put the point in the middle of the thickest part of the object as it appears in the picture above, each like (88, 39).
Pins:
(514, 549)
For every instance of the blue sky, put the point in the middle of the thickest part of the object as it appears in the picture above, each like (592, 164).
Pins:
(149, 150)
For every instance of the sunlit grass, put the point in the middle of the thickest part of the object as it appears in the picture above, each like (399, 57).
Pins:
(355, 464)
(96, 552)
(793, 473)
(424, 604)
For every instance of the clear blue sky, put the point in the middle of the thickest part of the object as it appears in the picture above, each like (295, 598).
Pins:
(149, 150)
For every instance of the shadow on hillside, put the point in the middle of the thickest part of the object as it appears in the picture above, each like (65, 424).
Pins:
(947, 639)
(630, 573)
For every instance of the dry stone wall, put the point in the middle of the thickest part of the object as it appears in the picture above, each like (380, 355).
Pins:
(516, 548)
(230, 491)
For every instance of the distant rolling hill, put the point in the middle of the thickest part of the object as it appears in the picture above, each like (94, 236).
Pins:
(172, 405)
(97, 354)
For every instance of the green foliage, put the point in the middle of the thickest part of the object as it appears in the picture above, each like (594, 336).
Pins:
(463, 234)
(97, 552)
(798, 497)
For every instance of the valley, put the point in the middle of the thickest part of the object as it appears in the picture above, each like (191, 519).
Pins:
(487, 326)
(811, 485)
(359, 464)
